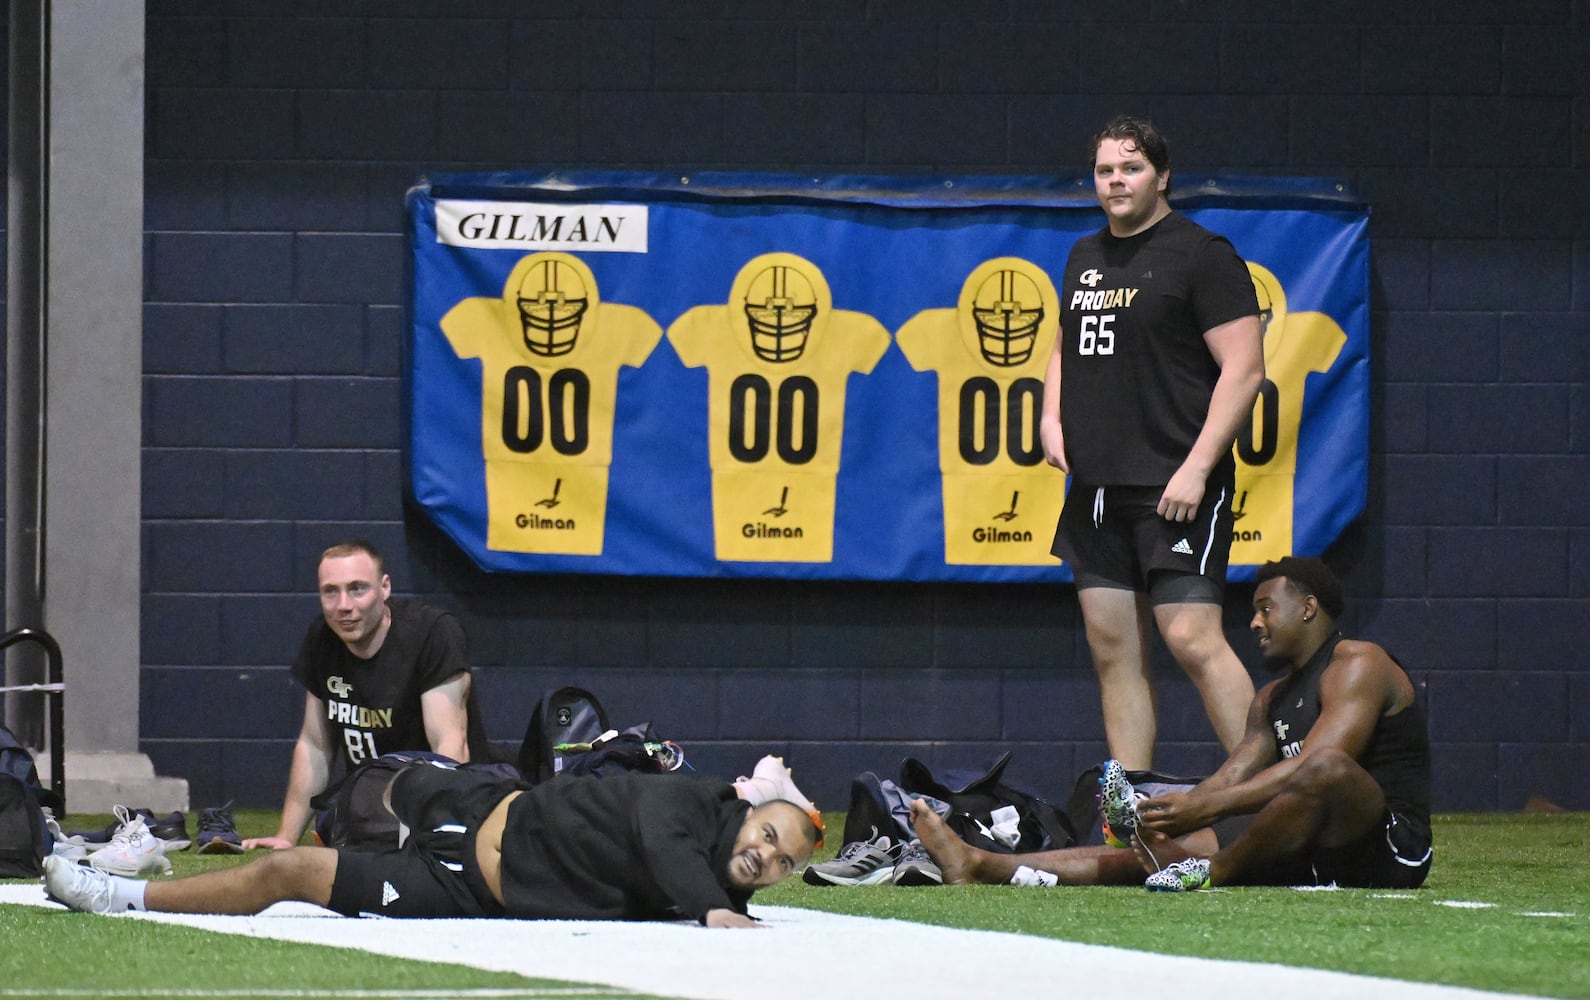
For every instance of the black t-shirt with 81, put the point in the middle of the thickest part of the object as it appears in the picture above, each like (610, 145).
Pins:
(373, 706)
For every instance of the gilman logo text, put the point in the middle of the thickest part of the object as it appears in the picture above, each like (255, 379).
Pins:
(521, 226)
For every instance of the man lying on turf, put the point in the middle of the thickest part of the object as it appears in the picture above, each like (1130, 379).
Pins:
(1334, 769)
(625, 847)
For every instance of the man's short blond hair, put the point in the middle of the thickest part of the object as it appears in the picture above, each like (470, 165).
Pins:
(355, 546)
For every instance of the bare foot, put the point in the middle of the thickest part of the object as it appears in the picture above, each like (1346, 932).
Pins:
(1155, 850)
(952, 854)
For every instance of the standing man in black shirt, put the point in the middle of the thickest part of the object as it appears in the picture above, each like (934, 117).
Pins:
(1158, 362)
(380, 674)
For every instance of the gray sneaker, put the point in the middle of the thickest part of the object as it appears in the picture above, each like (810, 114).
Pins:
(79, 887)
(916, 867)
(860, 862)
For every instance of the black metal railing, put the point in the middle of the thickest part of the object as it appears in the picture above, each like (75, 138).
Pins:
(54, 694)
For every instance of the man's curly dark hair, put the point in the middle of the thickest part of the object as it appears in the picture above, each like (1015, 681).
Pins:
(1307, 575)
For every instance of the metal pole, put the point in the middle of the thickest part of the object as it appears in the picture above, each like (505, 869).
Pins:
(26, 272)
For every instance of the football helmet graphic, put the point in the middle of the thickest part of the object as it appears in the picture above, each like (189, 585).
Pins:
(553, 295)
(1007, 309)
(1272, 306)
(781, 304)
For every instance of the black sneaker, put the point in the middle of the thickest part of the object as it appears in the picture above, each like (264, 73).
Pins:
(218, 832)
(172, 830)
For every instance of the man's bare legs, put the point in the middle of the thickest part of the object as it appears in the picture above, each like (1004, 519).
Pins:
(300, 873)
(1116, 622)
(1329, 801)
(1154, 850)
(1196, 637)
(962, 863)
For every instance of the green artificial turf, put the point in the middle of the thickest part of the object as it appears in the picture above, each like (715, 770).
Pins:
(1523, 926)
(1506, 908)
(54, 953)
(147, 959)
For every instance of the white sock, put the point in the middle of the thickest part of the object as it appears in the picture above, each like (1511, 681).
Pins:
(1032, 876)
(126, 894)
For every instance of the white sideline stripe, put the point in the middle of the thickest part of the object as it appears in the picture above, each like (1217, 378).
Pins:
(804, 955)
(491, 993)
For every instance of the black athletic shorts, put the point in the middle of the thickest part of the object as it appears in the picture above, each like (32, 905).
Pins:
(1113, 536)
(1396, 854)
(434, 873)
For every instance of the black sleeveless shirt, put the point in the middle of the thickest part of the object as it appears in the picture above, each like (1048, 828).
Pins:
(1398, 755)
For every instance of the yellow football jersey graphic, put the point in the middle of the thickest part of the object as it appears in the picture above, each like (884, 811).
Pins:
(550, 352)
(1295, 345)
(1000, 499)
(778, 359)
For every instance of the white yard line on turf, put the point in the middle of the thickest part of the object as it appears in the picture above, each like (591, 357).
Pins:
(802, 954)
(482, 993)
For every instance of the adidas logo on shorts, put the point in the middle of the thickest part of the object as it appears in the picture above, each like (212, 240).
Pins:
(388, 894)
(1182, 547)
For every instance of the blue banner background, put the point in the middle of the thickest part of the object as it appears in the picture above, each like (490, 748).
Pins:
(889, 248)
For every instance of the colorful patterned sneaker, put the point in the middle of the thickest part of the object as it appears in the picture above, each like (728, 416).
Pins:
(134, 850)
(218, 831)
(916, 867)
(1180, 876)
(1118, 805)
(79, 887)
(860, 862)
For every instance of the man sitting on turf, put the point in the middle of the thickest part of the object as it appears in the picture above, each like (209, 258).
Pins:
(628, 846)
(1334, 768)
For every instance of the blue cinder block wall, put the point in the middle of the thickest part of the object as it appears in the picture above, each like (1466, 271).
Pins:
(281, 139)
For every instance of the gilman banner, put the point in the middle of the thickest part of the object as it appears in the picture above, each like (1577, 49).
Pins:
(753, 375)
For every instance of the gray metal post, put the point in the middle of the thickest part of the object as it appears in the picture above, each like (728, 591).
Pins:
(26, 255)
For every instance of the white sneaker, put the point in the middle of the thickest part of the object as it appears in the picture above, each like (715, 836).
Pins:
(78, 887)
(132, 850)
(71, 848)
